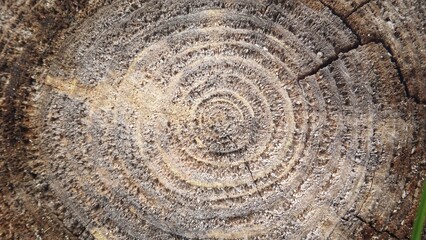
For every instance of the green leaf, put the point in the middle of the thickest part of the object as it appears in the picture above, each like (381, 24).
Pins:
(421, 215)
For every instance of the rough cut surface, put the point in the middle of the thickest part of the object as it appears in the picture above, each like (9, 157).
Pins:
(211, 119)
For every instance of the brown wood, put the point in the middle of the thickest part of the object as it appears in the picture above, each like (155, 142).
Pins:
(211, 119)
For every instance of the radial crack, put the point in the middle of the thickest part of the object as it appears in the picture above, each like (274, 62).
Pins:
(336, 56)
(344, 18)
(369, 190)
(254, 181)
(374, 228)
(357, 7)
(327, 62)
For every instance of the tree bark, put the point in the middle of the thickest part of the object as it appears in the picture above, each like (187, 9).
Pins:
(200, 119)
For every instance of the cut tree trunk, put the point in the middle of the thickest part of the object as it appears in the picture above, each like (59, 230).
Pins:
(211, 119)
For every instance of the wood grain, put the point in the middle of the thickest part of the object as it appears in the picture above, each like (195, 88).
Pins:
(212, 119)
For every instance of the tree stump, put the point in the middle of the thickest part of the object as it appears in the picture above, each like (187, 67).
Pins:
(201, 119)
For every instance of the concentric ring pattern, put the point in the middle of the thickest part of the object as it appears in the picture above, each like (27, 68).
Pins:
(217, 119)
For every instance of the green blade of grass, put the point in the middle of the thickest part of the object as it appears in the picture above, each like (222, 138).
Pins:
(420, 217)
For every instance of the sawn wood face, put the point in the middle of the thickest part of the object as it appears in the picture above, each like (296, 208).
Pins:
(211, 119)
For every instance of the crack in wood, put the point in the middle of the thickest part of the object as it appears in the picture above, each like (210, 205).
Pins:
(397, 67)
(371, 225)
(357, 7)
(254, 180)
(358, 44)
(343, 19)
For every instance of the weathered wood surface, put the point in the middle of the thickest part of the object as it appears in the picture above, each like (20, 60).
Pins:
(211, 119)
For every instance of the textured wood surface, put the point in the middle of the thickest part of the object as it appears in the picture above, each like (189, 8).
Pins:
(211, 119)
